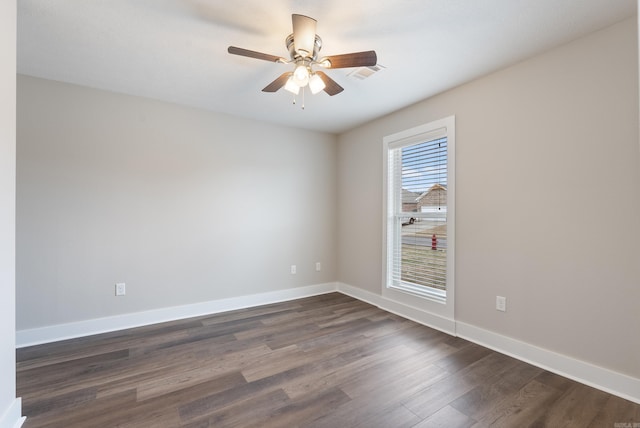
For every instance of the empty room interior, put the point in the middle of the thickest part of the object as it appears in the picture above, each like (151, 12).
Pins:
(431, 217)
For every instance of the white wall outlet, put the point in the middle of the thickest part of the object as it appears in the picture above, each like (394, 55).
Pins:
(501, 303)
(293, 269)
(318, 267)
(121, 289)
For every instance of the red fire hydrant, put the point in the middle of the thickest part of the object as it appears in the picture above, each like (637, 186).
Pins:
(434, 242)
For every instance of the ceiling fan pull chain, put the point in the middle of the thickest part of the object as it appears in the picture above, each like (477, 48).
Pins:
(303, 98)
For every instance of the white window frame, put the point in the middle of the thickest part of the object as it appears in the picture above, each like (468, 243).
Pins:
(437, 301)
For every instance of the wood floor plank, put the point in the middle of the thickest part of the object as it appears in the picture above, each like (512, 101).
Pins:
(208, 404)
(292, 337)
(302, 410)
(270, 332)
(244, 412)
(369, 407)
(576, 408)
(481, 399)
(415, 370)
(31, 381)
(522, 409)
(463, 357)
(252, 313)
(617, 411)
(324, 361)
(156, 367)
(170, 381)
(447, 417)
(96, 413)
(352, 367)
(60, 401)
(66, 350)
(426, 402)
(396, 416)
(349, 316)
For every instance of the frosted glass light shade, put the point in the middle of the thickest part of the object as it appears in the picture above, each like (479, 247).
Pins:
(291, 86)
(301, 75)
(316, 84)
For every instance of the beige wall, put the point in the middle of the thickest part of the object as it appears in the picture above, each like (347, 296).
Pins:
(182, 205)
(7, 207)
(548, 199)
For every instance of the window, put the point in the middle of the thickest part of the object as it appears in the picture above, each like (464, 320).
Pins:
(419, 210)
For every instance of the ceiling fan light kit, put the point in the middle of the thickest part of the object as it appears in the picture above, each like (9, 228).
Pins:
(316, 84)
(291, 86)
(303, 46)
(301, 75)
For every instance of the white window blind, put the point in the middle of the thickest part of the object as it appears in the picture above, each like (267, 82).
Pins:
(417, 192)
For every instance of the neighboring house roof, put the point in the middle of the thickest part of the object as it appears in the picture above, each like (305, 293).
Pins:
(436, 195)
(409, 197)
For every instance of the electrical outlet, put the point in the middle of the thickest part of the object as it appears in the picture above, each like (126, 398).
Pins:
(293, 269)
(121, 289)
(318, 267)
(501, 303)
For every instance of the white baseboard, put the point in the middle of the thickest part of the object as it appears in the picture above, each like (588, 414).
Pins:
(12, 416)
(601, 378)
(59, 332)
(409, 312)
(604, 379)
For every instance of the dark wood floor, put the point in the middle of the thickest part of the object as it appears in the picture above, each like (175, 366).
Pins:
(326, 361)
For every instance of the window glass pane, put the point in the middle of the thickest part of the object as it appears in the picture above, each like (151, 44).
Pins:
(418, 181)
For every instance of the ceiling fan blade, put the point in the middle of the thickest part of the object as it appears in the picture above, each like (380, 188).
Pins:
(278, 83)
(253, 54)
(356, 59)
(331, 87)
(304, 34)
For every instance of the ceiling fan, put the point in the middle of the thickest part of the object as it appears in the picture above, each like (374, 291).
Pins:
(304, 45)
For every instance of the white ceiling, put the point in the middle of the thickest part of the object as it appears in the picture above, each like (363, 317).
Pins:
(176, 50)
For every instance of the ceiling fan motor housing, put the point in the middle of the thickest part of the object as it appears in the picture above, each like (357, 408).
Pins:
(317, 45)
